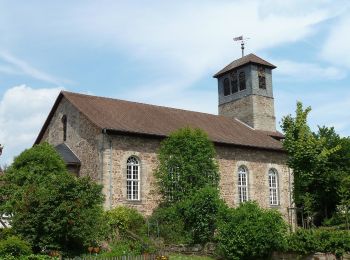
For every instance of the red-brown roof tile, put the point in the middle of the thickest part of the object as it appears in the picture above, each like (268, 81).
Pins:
(137, 118)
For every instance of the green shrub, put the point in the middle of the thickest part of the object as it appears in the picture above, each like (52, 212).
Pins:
(171, 225)
(250, 232)
(5, 233)
(122, 219)
(306, 241)
(14, 246)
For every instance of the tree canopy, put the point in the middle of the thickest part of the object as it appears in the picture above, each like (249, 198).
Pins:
(320, 161)
(186, 164)
(51, 208)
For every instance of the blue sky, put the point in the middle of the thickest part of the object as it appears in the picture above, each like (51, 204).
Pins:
(165, 53)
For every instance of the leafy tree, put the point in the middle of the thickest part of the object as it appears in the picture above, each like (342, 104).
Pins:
(186, 164)
(51, 208)
(250, 232)
(319, 162)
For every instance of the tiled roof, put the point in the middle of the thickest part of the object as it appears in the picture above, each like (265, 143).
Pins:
(250, 58)
(137, 118)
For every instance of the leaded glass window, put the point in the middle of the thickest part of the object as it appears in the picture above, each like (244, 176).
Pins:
(242, 184)
(273, 187)
(234, 82)
(133, 178)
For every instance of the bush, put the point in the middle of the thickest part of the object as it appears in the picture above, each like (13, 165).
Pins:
(14, 246)
(306, 241)
(122, 219)
(5, 233)
(250, 232)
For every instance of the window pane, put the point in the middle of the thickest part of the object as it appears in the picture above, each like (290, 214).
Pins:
(226, 87)
(242, 81)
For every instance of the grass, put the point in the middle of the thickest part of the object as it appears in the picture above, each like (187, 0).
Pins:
(188, 257)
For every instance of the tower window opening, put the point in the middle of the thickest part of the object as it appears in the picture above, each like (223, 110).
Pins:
(226, 87)
(234, 82)
(262, 78)
(242, 85)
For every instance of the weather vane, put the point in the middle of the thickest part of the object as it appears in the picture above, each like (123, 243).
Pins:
(1, 147)
(242, 40)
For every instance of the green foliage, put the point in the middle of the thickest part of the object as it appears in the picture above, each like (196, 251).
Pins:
(52, 209)
(121, 219)
(5, 233)
(250, 232)
(186, 164)
(344, 205)
(29, 257)
(124, 247)
(306, 241)
(319, 162)
(192, 220)
(14, 246)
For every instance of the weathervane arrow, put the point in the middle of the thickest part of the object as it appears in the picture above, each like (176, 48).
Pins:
(242, 40)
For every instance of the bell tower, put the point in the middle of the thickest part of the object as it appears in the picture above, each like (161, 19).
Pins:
(245, 92)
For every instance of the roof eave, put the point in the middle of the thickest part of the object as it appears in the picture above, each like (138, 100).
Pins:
(218, 74)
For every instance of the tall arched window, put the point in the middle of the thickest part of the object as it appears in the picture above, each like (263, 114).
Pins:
(242, 184)
(273, 187)
(242, 80)
(133, 178)
(64, 126)
(226, 87)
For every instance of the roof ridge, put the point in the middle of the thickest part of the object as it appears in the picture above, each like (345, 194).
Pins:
(140, 103)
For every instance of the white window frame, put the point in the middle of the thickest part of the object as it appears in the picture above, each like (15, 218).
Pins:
(133, 172)
(242, 175)
(273, 187)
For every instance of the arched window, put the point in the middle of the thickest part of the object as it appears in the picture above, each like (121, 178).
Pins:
(242, 80)
(242, 184)
(234, 82)
(133, 178)
(226, 87)
(64, 126)
(262, 79)
(273, 187)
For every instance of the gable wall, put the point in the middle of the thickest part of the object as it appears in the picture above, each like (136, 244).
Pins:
(82, 137)
(258, 163)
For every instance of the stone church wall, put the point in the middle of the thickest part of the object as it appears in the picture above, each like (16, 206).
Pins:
(82, 137)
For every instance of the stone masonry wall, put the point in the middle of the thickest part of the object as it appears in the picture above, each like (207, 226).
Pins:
(82, 137)
(258, 163)
(254, 110)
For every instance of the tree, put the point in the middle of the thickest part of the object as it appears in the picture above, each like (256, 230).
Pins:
(186, 164)
(319, 162)
(51, 208)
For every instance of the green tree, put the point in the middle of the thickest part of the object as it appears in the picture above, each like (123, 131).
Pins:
(186, 164)
(319, 162)
(51, 208)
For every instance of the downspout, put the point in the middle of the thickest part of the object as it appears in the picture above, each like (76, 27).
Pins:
(291, 208)
(110, 169)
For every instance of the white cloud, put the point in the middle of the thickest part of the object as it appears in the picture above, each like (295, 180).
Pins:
(303, 71)
(23, 111)
(336, 48)
(18, 66)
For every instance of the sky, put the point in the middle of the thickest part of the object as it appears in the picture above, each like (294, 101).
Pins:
(165, 53)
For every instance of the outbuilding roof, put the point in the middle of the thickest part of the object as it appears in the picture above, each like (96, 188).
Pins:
(250, 58)
(120, 116)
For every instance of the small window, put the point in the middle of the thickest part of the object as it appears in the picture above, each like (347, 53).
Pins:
(262, 78)
(234, 82)
(133, 178)
(64, 126)
(242, 85)
(273, 187)
(242, 184)
(226, 87)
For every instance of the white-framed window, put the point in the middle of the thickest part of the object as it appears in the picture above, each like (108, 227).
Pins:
(273, 187)
(242, 184)
(133, 178)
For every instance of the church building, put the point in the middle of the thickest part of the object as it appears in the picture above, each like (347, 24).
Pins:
(115, 142)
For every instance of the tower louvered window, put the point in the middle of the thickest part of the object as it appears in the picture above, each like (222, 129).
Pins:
(234, 82)
(242, 85)
(226, 87)
(262, 78)
(133, 178)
